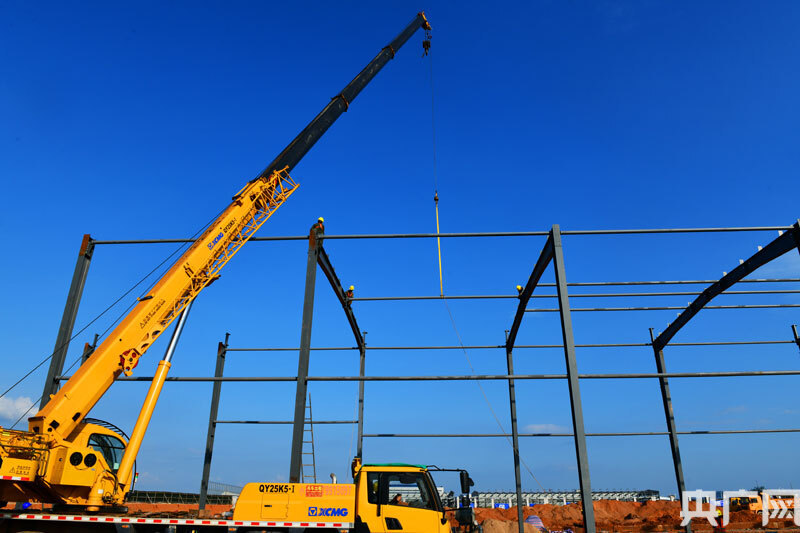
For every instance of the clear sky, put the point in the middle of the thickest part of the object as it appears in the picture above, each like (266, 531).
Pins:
(141, 119)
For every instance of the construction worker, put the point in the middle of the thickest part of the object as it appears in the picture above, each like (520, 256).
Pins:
(398, 500)
(520, 288)
(348, 295)
(320, 225)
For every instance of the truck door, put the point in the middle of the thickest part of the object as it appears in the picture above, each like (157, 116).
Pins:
(409, 504)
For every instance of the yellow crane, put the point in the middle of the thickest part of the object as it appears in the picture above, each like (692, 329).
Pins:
(63, 459)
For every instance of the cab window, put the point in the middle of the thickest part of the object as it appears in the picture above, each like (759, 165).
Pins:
(373, 480)
(409, 489)
(110, 447)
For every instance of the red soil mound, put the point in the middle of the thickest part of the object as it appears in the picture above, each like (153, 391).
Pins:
(615, 516)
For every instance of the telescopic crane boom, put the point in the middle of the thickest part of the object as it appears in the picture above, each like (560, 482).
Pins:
(63, 459)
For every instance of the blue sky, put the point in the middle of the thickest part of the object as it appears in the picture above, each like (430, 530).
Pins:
(140, 120)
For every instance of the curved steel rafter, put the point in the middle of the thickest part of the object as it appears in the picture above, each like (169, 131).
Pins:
(784, 243)
(324, 263)
(346, 300)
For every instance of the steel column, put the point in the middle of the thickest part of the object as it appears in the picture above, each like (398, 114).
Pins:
(212, 420)
(296, 459)
(512, 401)
(572, 379)
(669, 415)
(361, 367)
(796, 337)
(68, 319)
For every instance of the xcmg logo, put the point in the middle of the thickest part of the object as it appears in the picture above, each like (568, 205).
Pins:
(327, 511)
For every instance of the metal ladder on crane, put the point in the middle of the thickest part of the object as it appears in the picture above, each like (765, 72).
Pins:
(308, 442)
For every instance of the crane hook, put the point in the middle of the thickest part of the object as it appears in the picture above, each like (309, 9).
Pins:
(426, 44)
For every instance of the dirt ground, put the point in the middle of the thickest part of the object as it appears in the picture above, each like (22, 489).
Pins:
(175, 510)
(626, 517)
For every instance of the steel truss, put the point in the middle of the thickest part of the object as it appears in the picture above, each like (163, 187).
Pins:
(551, 253)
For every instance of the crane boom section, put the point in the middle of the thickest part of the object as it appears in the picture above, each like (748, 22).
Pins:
(196, 268)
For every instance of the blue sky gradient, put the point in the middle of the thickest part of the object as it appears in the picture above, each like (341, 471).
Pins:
(140, 120)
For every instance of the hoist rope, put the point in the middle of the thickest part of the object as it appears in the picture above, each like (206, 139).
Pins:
(441, 278)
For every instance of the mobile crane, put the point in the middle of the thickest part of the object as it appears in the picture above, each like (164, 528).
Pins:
(66, 459)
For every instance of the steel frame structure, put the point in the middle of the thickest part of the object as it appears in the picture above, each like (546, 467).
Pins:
(551, 253)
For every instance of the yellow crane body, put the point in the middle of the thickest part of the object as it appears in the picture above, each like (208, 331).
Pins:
(56, 433)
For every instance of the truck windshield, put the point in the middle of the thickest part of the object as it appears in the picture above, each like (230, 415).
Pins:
(111, 447)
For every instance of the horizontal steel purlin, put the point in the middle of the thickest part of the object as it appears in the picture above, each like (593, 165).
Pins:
(585, 295)
(287, 422)
(472, 377)
(475, 234)
(521, 346)
(668, 308)
(614, 434)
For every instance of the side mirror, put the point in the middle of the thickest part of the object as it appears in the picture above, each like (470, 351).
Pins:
(466, 481)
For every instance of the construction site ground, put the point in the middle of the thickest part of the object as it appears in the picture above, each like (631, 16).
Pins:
(627, 517)
(610, 516)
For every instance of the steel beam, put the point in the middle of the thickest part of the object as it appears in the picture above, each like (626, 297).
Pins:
(212, 420)
(615, 434)
(669, 415)
(476, 234)
(296, 460)
(796, 337)
(545, 257)
(572, 379)
(471, 377)
(88, 349)
(284, 422)
(68, 319)
(327, 268)
(361, 367)
(519, 346)
(787, 241)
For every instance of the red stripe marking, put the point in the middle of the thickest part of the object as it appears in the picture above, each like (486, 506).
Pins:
(190, 521)
(173, 521)
(61, 518)
(206, 522)
(320, 525)
(46, 517)
(93, 519)
(77, 518)
(255, 523)
(287, 523)
(126, 520)
(156, 521)
(109, 519)
(238, 523)
(304, 524)
(141, 520)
